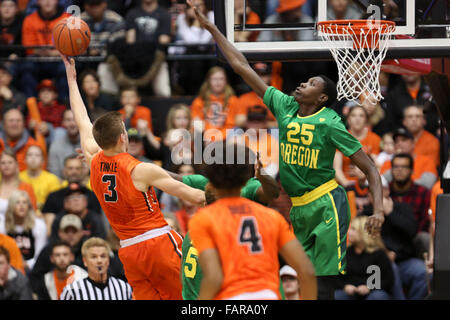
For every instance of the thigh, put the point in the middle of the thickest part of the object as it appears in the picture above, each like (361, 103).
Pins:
(341, 295)
(378, 295)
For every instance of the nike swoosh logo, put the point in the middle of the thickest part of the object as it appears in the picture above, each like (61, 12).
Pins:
(327, 221)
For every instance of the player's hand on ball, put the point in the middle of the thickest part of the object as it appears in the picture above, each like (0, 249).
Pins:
(70, 67)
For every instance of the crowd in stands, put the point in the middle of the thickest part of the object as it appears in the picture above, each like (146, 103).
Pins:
(47, 207)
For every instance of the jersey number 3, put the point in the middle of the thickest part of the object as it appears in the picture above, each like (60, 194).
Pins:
(249, 235)
(111, 195)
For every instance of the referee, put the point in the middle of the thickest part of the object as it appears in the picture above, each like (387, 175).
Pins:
(98, 285)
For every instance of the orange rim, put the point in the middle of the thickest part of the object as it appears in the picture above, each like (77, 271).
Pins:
(340, 26)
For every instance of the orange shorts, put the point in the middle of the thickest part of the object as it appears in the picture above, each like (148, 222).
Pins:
(152, 267)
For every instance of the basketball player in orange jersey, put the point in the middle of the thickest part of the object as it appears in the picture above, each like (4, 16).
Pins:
(238, 240)
(150, 251)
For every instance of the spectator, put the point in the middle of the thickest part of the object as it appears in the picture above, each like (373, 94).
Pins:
(70, 231)
(140, 59)
(74, 173)
(363, 252)
(410, 90)
(11, 182)
(424, 142)
(358, 126)
(33, 5)
(387, 149)
(10, 97)
(135, 145)
(42, 181)
(342, 10)
(398, 232)
(51, 111)
(65, 145)
(405, 190)
(50, 286)
(189, 74)
(178, 125)
(216, 107)
(259, 140)
(134, 114)
(13, 284)
(37, 31)
(11, 21)
(104, 25)
(96, 257)
(288, 11)
(169, 203)
(24, 227)
(10, 244)
(290, 284)
(96, 102)
(76, 202)
(251, 17)
(251, 99)
(16, 137)
(378, 120)
(424, 172)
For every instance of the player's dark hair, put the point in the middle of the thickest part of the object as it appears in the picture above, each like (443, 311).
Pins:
(329, 88)
(231, 170)
(107, 129)
(403, 155)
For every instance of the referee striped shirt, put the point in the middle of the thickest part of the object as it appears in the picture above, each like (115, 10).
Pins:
(87, 289)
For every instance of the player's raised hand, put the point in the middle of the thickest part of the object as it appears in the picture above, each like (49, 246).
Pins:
(69, 63)
(258, 165)
(204, 22)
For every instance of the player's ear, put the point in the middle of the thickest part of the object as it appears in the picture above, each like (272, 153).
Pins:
(323, 98)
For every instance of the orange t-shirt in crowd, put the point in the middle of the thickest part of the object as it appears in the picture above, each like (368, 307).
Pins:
(428, 145)
(15, 255)
(435, 191)
(21, 153)
(247, 237)
(130, 212)
(422, 164)
(29, 189)
(217, 116)
(60, 284)
(370, 145)
(141, 112)
(253, 18)
(39, 32)
(251, 99)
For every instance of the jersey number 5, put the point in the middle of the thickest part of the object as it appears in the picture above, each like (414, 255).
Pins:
(249, 235)
(111, 180)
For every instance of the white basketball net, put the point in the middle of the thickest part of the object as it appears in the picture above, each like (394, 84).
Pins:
(358, 65)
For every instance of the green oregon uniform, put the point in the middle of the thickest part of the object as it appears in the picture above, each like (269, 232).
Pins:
(191, 273)
(320, 213)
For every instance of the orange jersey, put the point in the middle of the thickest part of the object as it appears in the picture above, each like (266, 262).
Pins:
(217, 116)
(130, 212)
(428, 145)
(370, 145)
(247, 237)
(422, 164)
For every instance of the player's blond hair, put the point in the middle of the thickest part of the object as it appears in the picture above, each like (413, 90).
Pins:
(94, 242)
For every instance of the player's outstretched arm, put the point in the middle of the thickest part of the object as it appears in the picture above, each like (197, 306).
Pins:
(88, 144)
(366, 165)
(269, 189)
(235, 58)
(294, 255)
(148, 174)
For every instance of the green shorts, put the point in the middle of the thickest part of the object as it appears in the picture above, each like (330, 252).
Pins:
(321, 227)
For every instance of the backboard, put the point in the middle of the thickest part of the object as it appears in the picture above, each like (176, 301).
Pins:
(422, 27)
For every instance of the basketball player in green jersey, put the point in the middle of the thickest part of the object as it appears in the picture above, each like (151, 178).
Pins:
(262, 189)
(309, 134)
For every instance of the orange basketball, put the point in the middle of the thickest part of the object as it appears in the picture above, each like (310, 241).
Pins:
(71, 36)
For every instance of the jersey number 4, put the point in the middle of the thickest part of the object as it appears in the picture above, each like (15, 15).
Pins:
(111, 195)
(249, 235)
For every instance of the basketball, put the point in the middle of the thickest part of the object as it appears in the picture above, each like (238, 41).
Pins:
(71, 36)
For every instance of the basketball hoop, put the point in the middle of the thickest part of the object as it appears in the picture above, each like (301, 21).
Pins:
(359, 48)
